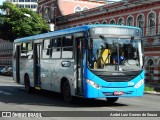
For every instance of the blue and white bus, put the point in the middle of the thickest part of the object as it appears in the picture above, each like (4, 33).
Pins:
(92, 61)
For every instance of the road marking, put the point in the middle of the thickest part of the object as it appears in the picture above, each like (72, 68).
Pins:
(112, 109)
(5, 93)
(10, 85)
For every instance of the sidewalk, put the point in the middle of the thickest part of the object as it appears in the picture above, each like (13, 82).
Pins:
(155, 86)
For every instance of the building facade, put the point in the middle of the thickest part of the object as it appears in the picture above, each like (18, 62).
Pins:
(140, 13)
(6, 48)
(32, 4)
(52, 9)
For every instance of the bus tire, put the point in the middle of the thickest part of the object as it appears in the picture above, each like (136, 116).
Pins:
(66, 92)
(112, 100)
(28, 88)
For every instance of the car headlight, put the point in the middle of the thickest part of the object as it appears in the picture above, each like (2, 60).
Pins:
(95, 85)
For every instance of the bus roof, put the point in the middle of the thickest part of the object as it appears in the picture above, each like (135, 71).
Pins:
(67, 31)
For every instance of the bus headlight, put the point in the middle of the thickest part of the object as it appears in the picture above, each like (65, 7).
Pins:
(95, 85)
(139, 83)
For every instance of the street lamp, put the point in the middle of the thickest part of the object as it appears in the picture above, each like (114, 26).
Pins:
(28, 15)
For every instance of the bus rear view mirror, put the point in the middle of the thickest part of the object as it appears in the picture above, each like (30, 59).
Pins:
(66, 63)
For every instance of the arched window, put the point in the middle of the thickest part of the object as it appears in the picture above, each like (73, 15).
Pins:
(85, 8)
(97, 23)
(151, 20)
(104, 22)
(77, 9)
(130, 21)
(121, 21)
(151, 24)
(140, 22)
(112, 22)
(150, 63)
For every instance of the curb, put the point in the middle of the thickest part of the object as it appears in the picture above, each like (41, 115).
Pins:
(152, 92)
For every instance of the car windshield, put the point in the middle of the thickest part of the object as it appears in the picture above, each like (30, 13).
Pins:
(115, 54)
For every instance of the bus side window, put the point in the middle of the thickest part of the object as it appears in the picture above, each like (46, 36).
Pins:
(14, 51)
(56, 47)
(46, 48)
(24, 50)
(30, 50)
(67, 46)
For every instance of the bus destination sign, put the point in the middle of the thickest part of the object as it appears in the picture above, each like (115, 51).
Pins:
(115, 31)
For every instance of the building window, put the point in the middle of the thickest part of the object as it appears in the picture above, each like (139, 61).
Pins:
(140, 22)
(33, 6)
(27, 0)
(14, 0)
(130, 21)
(27, 6)
(151, 24)
(121, 21)
(21, 0)
(112, 22)
(21, 5)
(104, 22)
(150, 63)
(77, 9)
(33, 0)
(85, 8)
(97, 23)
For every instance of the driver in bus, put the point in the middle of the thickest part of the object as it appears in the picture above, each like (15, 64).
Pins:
(115, 57)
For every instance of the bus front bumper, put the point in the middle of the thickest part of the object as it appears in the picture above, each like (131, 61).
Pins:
(95, 91)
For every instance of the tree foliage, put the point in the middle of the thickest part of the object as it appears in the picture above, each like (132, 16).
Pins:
(14, 24)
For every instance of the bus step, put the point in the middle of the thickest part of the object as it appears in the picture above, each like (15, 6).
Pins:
(37, 88)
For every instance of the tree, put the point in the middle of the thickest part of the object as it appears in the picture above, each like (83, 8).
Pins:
(14, 24)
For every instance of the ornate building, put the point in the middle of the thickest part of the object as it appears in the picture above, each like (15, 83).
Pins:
(140, 13)
(51, 10)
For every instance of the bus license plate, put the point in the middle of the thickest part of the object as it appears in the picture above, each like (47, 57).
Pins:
(118, 93)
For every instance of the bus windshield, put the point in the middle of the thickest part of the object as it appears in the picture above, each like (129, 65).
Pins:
(115, 54)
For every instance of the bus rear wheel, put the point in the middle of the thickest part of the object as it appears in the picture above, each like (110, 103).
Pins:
(112, 100)
(66, 92)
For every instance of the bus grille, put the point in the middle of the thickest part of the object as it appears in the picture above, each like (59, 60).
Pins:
(117, 78)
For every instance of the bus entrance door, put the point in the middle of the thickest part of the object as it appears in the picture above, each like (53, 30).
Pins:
(17, 64)
(79, 63)
(37, 67)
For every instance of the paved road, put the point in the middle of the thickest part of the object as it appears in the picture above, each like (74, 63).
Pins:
(14, 98)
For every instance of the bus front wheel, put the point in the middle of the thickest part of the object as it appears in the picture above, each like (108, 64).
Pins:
(112, 100)
(66, 91)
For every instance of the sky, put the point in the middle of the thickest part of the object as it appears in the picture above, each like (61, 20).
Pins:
(1, 1)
